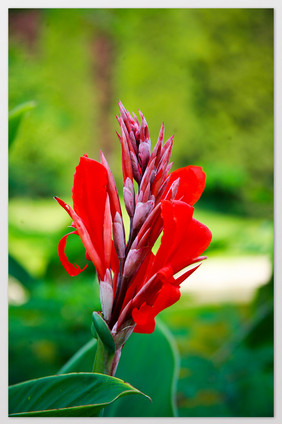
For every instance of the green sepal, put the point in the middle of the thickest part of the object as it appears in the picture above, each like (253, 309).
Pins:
(104, 332)
(93, 331)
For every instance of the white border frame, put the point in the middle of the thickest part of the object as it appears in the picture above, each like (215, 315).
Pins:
(277, 5)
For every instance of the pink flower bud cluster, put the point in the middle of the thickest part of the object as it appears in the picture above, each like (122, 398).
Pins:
(150, 171)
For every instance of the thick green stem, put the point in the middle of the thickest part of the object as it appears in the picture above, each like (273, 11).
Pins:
(103, 359)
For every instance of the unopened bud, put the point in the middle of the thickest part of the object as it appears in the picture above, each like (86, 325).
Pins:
(130, 266)
(106, 295)
(133, 141)
(144, 153)
(173, 190)
(135, 168)
(141, 212)
(146, 194)
(162, 189)
(153, 174)
(144, 131)
(118, 236)
(135, 119)
(129, 197)
(147, 175)
(123, 333)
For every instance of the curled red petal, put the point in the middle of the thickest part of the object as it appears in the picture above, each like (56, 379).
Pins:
(72, 269)
(85, 238)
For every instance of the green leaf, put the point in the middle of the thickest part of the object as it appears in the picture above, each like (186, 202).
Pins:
(15, 118)
(67, 395)
(149, 362)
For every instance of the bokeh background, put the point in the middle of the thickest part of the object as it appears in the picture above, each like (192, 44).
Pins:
(208, 74)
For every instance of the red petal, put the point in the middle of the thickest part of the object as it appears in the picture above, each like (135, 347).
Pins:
(139, 279)
(72, 269)
(170, 232)
(82, 231)
(144, 319)
(186, 274)
(89, 197)
(184, 238)
(195, 239)
(107, 234)
(191, 186)
(144, 316)
(112, 190)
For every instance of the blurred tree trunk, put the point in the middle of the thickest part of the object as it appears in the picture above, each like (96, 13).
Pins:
(103, 67)
(24, 25)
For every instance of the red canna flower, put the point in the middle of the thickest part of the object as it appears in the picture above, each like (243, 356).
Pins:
(135, 283)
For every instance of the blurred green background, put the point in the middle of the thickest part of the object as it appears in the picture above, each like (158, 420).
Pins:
(208, 74)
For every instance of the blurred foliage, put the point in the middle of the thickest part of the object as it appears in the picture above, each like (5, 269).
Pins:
(211, 81)
(45, 331)
(15, 117)
(226, 357)
(226, 351)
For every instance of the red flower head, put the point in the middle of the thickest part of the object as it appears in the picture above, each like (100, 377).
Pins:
(135, 283)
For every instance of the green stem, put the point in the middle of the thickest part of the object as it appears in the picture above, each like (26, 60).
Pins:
(103, 359)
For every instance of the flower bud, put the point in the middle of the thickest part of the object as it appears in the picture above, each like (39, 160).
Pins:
(135, 168)
(147, 175)
(118, 236)
(123, 333)
(173, 190)
(144, 153)
(129, 197)
(133, 257)
(106, 295)
(144, 131)
(126, 162)
(135, 119)
(146, 194)
(153, 175)
(133, 141)
(141, 212)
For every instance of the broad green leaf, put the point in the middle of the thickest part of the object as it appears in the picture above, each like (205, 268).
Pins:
(67, 395)
(15, 118)
(82, 360)
(149, 362)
